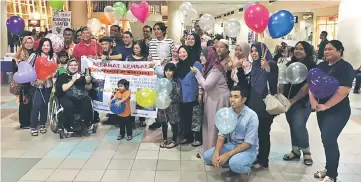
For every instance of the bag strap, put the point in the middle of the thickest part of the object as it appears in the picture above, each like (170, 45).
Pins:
(269, 90)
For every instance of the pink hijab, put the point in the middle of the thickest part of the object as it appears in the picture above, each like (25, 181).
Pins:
(241, 61)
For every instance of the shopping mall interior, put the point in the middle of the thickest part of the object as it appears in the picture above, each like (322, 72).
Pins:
(100, 157)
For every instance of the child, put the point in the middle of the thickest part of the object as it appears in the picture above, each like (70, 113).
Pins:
(124, 118)
(170, 114)
(62, 61)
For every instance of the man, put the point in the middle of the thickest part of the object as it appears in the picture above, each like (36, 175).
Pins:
(127, 48)
(147, 34)
(68, 35)
(86, 47)
(241, 148)
(322, 45)
(108, 52)
(116, 34)
(310, 37)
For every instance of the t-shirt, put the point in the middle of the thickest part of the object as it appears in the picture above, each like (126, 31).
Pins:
(124, 51)
(132, 58)
(65, 78)
(125, 94)
(344, 73)
(61, 70)
(113, 53)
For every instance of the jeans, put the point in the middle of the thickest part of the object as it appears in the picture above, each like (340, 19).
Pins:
(264, 137)
(239, 163)
(41, 98)
(331, 124)
(297, 117)
(358, 81)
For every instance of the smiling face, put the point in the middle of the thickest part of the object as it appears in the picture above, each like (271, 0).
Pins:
(254, 54)
(331, 53)
(106, 46)
(190, 40)
(183, 55)
(85, 35)
(299, 53)
(46, 47)
(203, 60)
(169, 74)
(73, 67)
(29, 44)
(158, 32)
(238, 51)
(136, 49)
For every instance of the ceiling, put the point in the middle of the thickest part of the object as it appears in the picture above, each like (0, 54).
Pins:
(216, 8)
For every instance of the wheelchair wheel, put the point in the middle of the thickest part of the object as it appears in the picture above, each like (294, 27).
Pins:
(53, 116)
(61, 134)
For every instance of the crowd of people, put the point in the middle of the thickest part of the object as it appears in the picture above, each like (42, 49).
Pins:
(205, 78)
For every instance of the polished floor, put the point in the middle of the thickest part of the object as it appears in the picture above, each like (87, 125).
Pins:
(100, 157)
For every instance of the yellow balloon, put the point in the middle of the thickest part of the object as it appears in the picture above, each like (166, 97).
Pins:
(146, 97)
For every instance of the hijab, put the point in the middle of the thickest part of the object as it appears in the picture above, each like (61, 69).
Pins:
(212, 62)
(184, 66)
(67, 68)
(195, 50)
(23, 53)
(258, 74)
(243, 60)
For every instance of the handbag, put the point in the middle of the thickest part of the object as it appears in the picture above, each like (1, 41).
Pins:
(15, 88)
(276, 104)
(76, 93)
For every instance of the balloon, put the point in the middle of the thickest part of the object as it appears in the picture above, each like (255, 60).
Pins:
(164, 86)
(146, 97)
(94, 26)
(57, 5)
(141, 11)
(15, 25)
(104, 19)
(280, 24)
(163, 50)
(163, 101)
(226, 120)
(206, 22)
(282, 77)
(185, 8)
(256, 17)
(119, 9)
(130, 17)
(115, 108)
(246, 6)
(45, 68)
(192, 14)
(296, 73)
(57, 41)
(321, 85)
(26, 73)
(232, 27)
(159, 71)
(109, 14)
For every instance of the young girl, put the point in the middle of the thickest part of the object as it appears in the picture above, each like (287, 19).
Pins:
(171, 114)
(124, 118)
(62, 62)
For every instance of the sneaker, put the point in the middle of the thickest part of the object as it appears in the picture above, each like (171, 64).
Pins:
(34, 132)
(327, 179)
(320, 174)
(43, 129)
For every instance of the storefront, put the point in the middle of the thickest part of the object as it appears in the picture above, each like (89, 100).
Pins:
(328, 24)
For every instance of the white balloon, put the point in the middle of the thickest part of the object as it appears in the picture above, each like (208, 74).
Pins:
(282, 77)
(226, 120)
(164, 86)
(94, 26)
(232, 28)
(185, 8)
(206, 22)
(192, 14)
(163, 50)
(130, 17)
(163, 101)
(296, 73)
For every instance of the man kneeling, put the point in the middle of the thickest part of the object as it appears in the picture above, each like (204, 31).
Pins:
(242, 147)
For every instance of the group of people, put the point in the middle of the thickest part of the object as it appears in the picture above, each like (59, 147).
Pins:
(204, 79)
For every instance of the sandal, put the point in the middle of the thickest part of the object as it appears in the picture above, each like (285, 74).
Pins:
(258, 167)
(196, 144)
(184, 141)
(171, 145)
(119, 137)
(34, 132)
(163, 144)
(129, 138)
(43, 129)
(307, 162)
(320, 174)
(295, 156)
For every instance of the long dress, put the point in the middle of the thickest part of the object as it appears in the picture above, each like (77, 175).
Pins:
(216, 96)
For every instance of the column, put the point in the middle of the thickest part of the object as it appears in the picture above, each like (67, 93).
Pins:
(175, 29)
(4, 32)
(349, 20)
(79, 13)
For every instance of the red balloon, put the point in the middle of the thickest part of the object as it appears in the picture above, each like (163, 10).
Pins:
(256, 17)
(44, 68)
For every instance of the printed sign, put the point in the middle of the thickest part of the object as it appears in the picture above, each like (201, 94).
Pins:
(61, 21)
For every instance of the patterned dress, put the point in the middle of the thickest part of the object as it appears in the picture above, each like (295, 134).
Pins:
(171, 114)
(197, 114)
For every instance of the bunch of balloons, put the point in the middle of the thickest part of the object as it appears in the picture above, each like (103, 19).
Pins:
(188, 11)
(163, 88)
(117, 109)
(226, 120)
(111, 13)
(146, 97)
(321, 85)
(295, 73)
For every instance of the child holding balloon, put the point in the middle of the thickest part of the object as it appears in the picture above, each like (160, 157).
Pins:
(124, 117)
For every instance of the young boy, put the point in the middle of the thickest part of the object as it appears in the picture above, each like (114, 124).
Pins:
(124, 118)
(63, 60)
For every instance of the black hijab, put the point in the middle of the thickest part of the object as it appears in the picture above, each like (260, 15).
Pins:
(195, 50)
(184, 66)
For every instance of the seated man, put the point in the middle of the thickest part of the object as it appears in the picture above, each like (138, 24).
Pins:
(358, 81)
(242, 147)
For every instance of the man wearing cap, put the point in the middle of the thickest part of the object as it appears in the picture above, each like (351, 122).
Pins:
(108, 52)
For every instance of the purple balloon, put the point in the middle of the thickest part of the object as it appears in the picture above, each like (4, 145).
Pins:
(321, 85)
(15, 25)
(26, 73)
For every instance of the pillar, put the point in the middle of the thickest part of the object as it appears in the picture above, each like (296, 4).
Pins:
(4, 33)
(175, 17)
(79, 13)
(349, 20)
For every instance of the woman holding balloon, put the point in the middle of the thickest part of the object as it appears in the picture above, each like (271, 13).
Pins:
(297, 93)
(329, 86)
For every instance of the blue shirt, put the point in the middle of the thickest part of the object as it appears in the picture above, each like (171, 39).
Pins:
(246, 129)
(190, 85)
(124, 51)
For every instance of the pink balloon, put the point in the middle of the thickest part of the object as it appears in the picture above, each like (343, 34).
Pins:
(141, 11)
(256, 17)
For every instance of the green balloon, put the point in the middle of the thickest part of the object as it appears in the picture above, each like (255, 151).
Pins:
(119, 9)
(57, 5)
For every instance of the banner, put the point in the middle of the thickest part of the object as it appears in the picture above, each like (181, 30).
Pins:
(106, 76)
(61, 21)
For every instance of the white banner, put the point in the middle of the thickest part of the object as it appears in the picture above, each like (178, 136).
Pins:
(61, 21)
(107, 75)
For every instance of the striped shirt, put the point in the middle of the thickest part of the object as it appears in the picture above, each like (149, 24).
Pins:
(153, 45)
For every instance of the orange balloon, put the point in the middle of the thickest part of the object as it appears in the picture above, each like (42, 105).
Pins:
(104, 20)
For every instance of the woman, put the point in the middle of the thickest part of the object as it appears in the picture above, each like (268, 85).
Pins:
(241, 67)
(140, 52)
(300, 110)
(189, 94)
(24, 95)
(334, 112)
(264, 72)
(194, 46)
(225, 59)
(43, 89)
(213, 81)
(175, 57)
(71, 92)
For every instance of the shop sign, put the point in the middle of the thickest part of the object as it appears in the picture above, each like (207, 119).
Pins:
(307, 16)
(61, 21)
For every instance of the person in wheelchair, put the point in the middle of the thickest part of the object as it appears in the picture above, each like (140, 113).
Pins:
(73, 97)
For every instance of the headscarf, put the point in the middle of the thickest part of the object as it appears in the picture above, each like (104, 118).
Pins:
(195, 50)
(241, 62)
(67, 67)
(258, 74)
(23, 53)
(175, 56)
(212, 62)
(184, 66)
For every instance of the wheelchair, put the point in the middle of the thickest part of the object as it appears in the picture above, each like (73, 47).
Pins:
(55, 114)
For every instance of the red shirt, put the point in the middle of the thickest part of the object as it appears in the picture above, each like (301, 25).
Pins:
(82, 49)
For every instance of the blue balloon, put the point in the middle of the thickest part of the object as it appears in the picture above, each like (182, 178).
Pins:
(115, 108)
(226, 120)
(280, 24)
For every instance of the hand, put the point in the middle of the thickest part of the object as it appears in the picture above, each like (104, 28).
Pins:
(194, 69)
(223, 159)
(102, 57)
(322, 107)
(151, 65)
(118, 103)
(230, 64)
(75, 77)
(265, 64)
(25, 100)
(215, 160)
(291, 101)
(87, 79)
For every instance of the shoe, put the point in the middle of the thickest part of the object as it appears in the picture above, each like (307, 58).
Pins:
(34, 132)
(356, 92)
(320, 174)
(43, 129)
(196, 144)
(155, 126)
(24, 127)
(244, 177)
(328, 179)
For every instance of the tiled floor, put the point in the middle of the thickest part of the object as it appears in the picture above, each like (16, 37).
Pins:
(101, 157)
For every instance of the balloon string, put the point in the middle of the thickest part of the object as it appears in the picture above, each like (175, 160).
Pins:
(42, 96)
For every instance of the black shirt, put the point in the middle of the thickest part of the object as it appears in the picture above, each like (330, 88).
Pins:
(64, 79)
(113, 53)
(321, 49)
(125, 52)
(344, 73)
